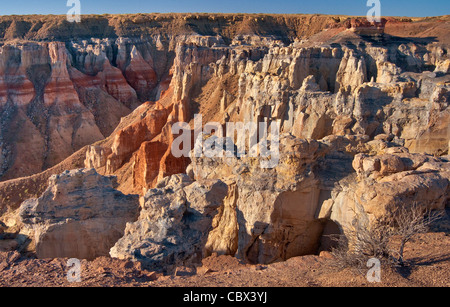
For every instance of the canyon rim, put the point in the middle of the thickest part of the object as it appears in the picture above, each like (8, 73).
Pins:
(92, 113)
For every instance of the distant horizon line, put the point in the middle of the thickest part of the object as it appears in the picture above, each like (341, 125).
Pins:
(218, 13)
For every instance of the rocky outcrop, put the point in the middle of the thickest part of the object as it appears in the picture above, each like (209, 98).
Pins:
(58, 97)
(434, 138)
(128, 140)
(362, 110)
(80, 215)
(101, 79)
(390, 180)
(364, 27)
(269, 215)
(173, 226)
(258, 216)
(40, 129)
(141, 75)
(60, 111)
(352, 72)
(139, 151)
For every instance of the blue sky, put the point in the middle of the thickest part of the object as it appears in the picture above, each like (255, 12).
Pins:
(411, 8)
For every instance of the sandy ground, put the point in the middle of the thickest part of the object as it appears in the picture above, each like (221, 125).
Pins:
(428, 257)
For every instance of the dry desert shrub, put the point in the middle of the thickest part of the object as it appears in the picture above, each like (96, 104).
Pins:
(409, 222)
(365, 240)
(362, 242)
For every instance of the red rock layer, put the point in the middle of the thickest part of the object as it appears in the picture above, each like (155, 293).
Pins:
(141, 75)
(63, 98)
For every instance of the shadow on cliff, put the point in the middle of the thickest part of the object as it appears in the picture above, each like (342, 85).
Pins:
(396, 55)
(385, 40)
(388, 39)
(90, 26)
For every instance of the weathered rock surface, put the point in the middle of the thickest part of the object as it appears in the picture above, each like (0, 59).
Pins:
(66, 95)
(63, 110)
(174, 223)
(390, 180)
(269, 215)
(363, 110)
(80, 215)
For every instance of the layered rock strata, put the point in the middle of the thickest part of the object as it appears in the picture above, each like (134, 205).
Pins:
(80, 215)
(362, 110)
(270, 215)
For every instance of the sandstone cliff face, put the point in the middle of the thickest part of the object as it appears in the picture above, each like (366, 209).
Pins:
(269, 215)
(391, 179)
(80, 215)
(363, 110)
(174, 223)
(91, 77)
(58, 97)
(45, 122)
(258, 216)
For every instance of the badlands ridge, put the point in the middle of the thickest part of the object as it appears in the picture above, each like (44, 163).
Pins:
(86, 112)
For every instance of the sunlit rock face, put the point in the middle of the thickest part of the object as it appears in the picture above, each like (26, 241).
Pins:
(362, 111)
(80, 215)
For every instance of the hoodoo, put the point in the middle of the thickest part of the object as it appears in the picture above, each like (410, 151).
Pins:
(87, 117)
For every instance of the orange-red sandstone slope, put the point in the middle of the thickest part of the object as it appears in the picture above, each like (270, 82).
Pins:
(57, 97)
(60, 96)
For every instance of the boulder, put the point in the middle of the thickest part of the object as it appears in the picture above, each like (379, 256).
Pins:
(174, 223)
(269, 214)
(388, 181)
(80, 215)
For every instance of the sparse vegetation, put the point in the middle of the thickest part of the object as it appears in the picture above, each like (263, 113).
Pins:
(384, 238)
(361, 243)
(409, 222)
